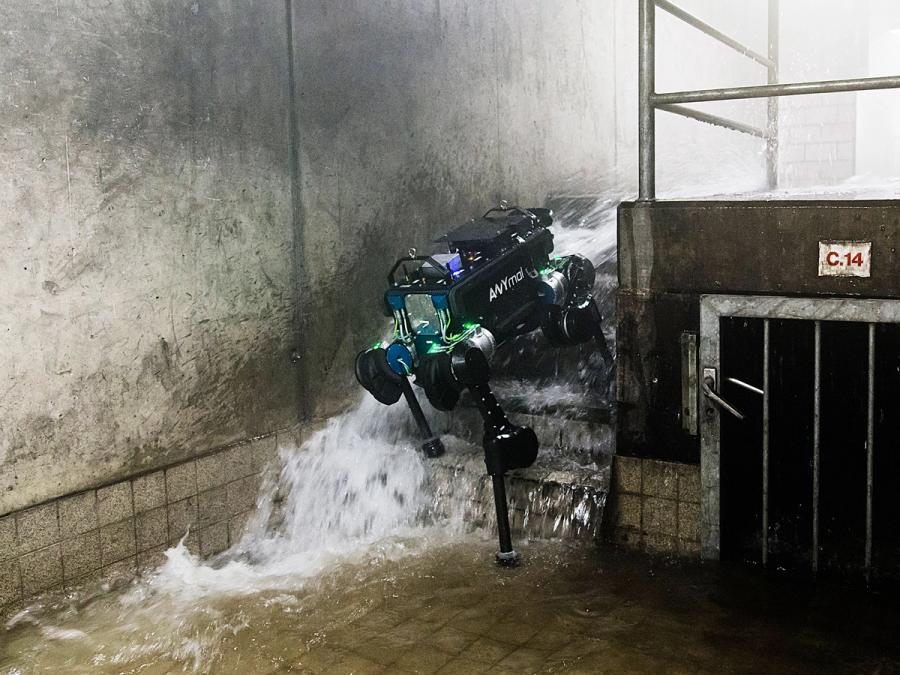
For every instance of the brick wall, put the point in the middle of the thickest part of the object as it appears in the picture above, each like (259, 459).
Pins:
(116, 532)
(817, 134)
(817, 140)
(655, 506)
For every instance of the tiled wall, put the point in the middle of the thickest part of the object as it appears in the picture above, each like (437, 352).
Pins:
(655, 506)
(121, 530)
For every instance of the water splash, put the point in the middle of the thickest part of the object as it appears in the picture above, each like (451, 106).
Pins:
(357, 487)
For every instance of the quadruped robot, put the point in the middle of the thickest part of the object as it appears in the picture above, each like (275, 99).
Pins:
(452, 310)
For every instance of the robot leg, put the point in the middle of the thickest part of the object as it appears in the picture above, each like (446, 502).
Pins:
(578, 319)
(506, 445)
(376, 376)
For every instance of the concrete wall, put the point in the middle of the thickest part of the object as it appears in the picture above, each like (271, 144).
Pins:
(415, 115)
(146, 239)
(153, 184)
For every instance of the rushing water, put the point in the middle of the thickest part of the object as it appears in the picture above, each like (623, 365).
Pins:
(570, 609)
(357, 496)
(340, 513)
(356, 493)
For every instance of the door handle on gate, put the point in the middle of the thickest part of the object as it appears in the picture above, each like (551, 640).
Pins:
(709, 382)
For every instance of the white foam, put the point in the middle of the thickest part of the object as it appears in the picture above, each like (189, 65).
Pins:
(55, 633)
(355, 490)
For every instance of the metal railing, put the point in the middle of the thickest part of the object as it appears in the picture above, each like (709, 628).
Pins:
(650, 101)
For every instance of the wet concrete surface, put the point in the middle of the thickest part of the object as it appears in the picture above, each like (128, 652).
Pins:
(567, 608)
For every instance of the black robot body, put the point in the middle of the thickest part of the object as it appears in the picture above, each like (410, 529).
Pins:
(451, 310)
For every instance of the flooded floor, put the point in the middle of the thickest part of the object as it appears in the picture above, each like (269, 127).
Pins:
(449, 609)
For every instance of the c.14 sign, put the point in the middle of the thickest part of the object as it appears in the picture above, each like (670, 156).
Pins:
(845, 258)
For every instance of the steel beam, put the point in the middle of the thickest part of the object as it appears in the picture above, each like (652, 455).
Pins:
(765, 443)
(715, 34)
(715, 120)
(817, 412)
(763, 91)
(772, 104)
(870, 453)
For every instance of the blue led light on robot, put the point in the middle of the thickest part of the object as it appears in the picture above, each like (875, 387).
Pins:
(455, 266)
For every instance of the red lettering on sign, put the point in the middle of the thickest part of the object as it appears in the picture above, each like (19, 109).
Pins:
(845, 258)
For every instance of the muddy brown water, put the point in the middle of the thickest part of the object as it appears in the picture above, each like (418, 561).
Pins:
(567, 608)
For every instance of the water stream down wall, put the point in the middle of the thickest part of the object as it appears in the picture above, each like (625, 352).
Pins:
(360, 478)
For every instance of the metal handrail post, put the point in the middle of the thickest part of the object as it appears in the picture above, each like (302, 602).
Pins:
(646, 107)
(772, 103)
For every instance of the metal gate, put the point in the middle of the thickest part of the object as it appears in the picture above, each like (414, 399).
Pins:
(800, 456)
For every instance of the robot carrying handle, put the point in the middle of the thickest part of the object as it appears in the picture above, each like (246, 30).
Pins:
(508, 209)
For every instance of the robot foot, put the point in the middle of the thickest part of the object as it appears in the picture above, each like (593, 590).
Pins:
(508, 559)
(433, 447)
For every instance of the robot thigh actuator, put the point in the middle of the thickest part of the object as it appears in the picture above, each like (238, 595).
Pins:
(452, 310)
